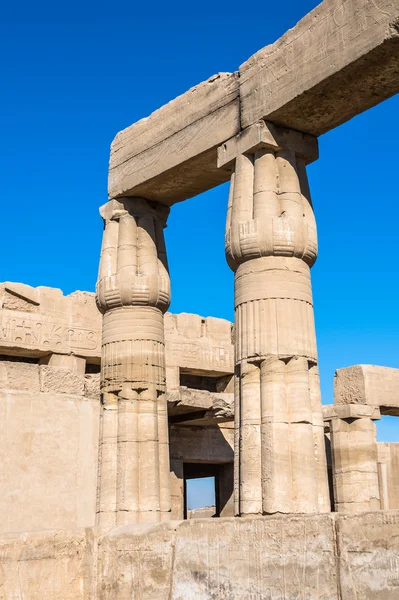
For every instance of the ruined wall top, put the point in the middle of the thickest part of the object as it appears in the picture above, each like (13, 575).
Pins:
(38, 321)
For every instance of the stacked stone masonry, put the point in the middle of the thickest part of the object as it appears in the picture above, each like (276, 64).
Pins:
(364, 472)
(51, 410)
(320, 557)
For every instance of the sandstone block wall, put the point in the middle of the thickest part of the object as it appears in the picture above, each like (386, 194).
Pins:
(47, 565)
(48, 447)
(314, 557)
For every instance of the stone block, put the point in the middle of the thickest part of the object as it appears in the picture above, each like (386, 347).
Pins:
(136, 562)
(355, 471)
(199, 345)
(202, 444)
(350, 411)
(266, 135)
(368, 384)
(185, 401)
(61, 381)
(50, 565)
(368, 555)
(19, 376)
(39, 321)
(207, 512)
(388, 474)
(48, 455)
(269, 557)
(92, 386)
(75, 364)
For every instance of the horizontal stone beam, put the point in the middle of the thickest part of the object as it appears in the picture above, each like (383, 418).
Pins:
(368, 384)
(185, 400)
(202, 444)
(339, 60)
(351, 411)
(172, 154)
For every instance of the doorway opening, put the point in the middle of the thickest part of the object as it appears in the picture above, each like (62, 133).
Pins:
(200, 493)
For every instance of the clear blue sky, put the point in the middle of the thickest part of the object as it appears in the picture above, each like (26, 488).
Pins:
(73, 75)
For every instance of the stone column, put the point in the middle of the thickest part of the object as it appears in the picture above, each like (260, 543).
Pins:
(271, 244)
(354, 458)
(133, 293)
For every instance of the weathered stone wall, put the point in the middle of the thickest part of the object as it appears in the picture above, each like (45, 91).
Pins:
(314, 557)
(48, 447)
(47, 565)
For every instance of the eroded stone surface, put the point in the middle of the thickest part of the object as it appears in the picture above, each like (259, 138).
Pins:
(51, 565)
(136, 562)
(38, 321)
(339, 60)
(368, 384)
(368, 551)
(328, 557)
(199, 345)
(222, 558)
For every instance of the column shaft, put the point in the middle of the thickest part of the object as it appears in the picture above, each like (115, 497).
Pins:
(133, 294)
(355, 465)
(271, 243)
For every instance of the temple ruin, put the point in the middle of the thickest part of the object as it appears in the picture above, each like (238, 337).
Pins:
(110, 404)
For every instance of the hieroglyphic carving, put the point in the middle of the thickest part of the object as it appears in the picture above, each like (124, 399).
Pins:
(200, 356)
(44, 333)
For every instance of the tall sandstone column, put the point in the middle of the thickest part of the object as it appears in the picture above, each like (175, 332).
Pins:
(133, 293)
(271, 243)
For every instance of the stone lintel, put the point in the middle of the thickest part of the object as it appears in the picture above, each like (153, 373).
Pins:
(350, 411)
(341, 59)
(171, 155)
(202, 444)
(267, 135)
(368, 384)
(186, 405)
(338, 61)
